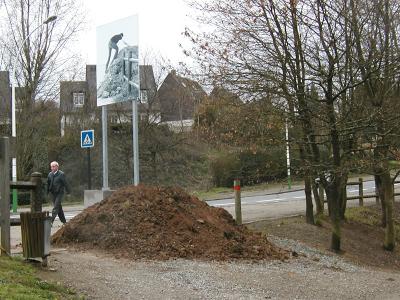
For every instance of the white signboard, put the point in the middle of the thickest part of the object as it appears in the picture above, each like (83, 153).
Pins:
(118, 61)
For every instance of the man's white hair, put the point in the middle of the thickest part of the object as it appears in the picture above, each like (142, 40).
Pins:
(54, 163)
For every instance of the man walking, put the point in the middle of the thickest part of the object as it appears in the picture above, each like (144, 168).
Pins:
(56, 184)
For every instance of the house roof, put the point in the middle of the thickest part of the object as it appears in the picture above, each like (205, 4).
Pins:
(179, 97)
(147, 81)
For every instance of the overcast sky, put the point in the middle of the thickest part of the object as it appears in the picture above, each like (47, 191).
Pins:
(161, 23)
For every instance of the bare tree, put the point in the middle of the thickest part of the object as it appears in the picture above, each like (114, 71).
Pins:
(285, 49)
(378, 55)
(42, 51)
(41, 55)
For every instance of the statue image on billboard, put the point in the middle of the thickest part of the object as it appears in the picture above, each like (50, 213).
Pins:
(118, 61)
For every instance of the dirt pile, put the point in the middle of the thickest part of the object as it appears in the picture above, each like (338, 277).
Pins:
(162, 223)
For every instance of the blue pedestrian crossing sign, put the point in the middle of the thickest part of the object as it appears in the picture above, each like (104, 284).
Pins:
(87, 138)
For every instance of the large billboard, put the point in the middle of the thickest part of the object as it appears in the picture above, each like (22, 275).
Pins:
(118, 61)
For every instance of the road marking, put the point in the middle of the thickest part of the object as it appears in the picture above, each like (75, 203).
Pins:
(299, 197)
(264, 201)
(227, 204)
(222, 204)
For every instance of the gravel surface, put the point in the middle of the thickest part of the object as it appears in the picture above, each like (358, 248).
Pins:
(311, 275)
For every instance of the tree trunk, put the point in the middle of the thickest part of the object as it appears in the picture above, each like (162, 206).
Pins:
(336, 231)
(333, 194)
(379, 189)
(309, 204)
(343, 201)
(318, 198)
(387, 187)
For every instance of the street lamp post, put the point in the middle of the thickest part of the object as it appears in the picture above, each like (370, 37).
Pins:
(13, 118)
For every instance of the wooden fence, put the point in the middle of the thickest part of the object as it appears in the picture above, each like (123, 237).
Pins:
(361, 195)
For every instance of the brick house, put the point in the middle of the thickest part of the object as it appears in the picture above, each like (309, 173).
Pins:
(78, 100)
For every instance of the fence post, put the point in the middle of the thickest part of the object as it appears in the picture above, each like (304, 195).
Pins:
(376, 196)
(238, 202)
(5, 196)
(360, 192)
(36, 193)
(376, 190)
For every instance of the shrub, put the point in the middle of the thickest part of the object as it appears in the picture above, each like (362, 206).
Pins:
(251, 167)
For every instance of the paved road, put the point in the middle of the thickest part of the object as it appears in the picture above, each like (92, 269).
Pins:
(288, 203)
(259, 205)
(255, 206)
(288, 196)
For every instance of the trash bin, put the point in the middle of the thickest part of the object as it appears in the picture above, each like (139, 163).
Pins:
(35, 231)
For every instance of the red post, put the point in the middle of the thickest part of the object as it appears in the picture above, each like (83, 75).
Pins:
(238, 203)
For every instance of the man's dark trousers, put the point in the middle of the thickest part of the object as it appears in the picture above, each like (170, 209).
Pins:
(57, 207)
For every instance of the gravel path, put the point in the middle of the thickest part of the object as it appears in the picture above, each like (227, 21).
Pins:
(312, 275)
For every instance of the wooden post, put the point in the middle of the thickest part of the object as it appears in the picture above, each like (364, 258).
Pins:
(5, 196)
(376, 196)
(238, 202)
(360, 192)
(36, 193)
(376, 190)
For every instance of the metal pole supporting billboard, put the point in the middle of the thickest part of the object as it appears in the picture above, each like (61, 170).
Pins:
(105, 143)
(135, 137)
(118, 79)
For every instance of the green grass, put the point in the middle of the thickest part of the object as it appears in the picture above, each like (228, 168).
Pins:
(364, 215)
(18, 281)
(370, 216)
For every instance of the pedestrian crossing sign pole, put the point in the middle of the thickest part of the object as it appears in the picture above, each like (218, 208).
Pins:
(87, 141)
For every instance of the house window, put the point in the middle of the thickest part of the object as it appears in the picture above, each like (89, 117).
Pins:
(114, 119)
(79, 99)
(143, 96)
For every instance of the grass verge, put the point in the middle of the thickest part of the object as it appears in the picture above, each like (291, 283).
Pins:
(18, 281)
(372, 216)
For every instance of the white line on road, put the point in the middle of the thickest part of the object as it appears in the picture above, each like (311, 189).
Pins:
(228, 204)
(223, 204)
(264, 201)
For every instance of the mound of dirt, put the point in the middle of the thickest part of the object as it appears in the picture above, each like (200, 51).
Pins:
(162, 223)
